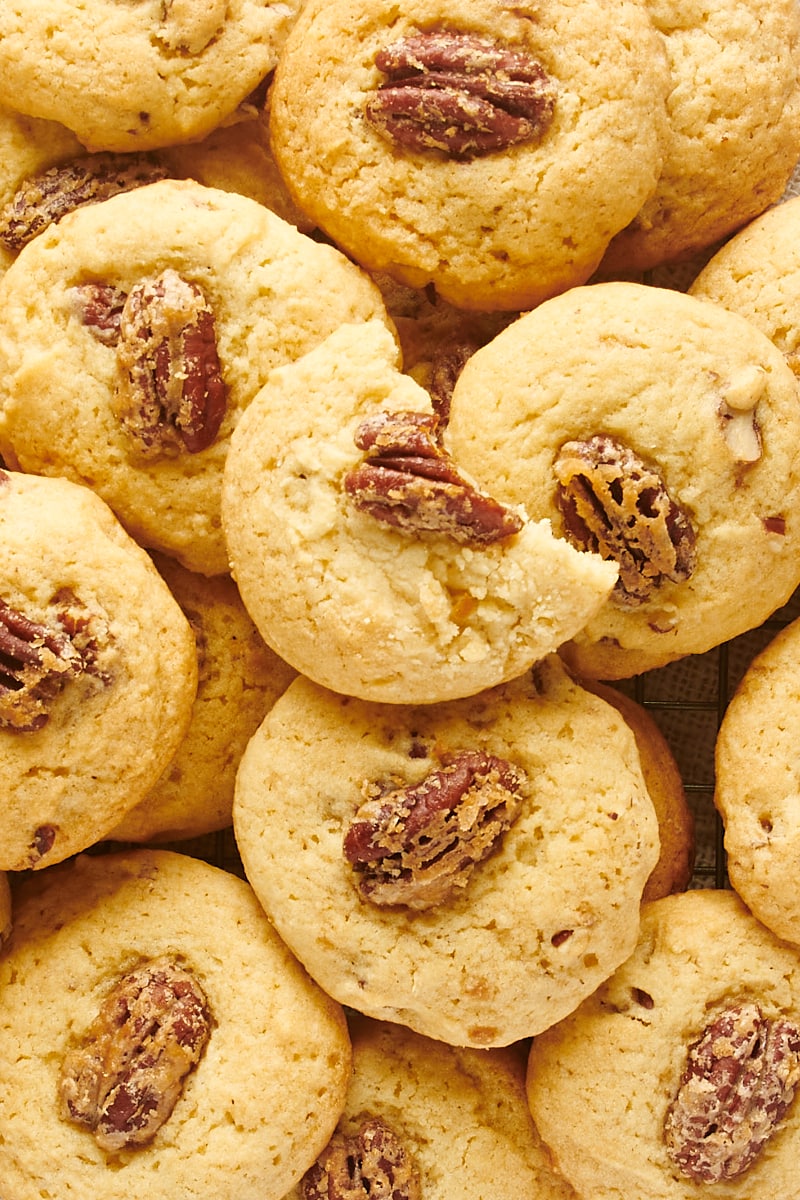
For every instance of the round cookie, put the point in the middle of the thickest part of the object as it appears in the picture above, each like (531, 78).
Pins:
(733, 135)
(152, 446)
(469, 870)
(239, 678)
(386, 574)
(137, 76)
(602, 1082)
(98, 671)
(270, 1061)
(507, 224)
(757, 784)
(661, 430)
(448, 1120)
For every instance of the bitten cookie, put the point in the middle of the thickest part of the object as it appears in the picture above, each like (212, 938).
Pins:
(98, 671)
(423, 1119)
(470, 870)
(677, 1078)
(171, 303)
(158, 1039)
(366, 560)
(659, 430)
(483, 149)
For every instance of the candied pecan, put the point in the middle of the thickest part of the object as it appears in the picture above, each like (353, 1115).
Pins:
(99, 307)
(124, 1079)
(45, 198)
(615, 504)
(459, 93)
(372, 1162)
(171, 396)
(739, 1080)
(446, 365)
(418, 844)
(409, 481)
(36, 660)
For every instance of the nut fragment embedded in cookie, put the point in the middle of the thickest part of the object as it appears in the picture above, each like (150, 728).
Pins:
(36, 660)
(613, 503)
(372, 1162)
(418, 845)
(407, 480)
(188, 26)
(99, 307)
(739, 1080)
(460, 94)
(124, 1079)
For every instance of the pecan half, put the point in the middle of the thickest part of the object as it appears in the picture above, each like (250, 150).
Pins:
(739, 1080)
(372, 1162)
(615, 504)
(124, 1079)
(417, 845)
(409, 481)
(171, 396)
(45, 198)
(460, 94)
(36, 660)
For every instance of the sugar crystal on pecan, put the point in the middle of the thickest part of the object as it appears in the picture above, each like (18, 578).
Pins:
(372, 1162)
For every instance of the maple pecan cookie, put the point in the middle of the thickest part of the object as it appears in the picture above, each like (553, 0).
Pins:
(98, 670)
(171, 303)
(660, 430)
(677, 1078)
(483, 149)
(365, 559)
(471, 870)
(137, 76)
(171, 1043)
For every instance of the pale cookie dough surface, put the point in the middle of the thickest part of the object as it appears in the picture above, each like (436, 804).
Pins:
(758, 784)
(136, 76)
(536, 926)
(600, 1083)
(274, 294)
(460, 1115)
(262, 1101)
(733, 126)
(500, 231)
(697, 394)
(67, 565)
(360, 606)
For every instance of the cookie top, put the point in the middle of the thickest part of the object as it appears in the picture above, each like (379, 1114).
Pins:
(137, 76)
(602, 1083)
(731, 146)
(494, 225)
(515, 915)
(256, 1075)
(224, 284)
(365, 560)
(674, 418)
(98, 672)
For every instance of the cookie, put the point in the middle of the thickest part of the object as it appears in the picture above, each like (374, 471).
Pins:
(98, 671)
(733, 136)
(225, 284)
(502, 182)
(424, 1118)
(365, 559)
(126, 77)
(239, 678)
(660, 430)
(469, 870)
(672, 1080)
(237, 1064)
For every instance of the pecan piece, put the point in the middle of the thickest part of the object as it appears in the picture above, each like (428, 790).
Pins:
(372, 1162)
(460, 94)
(613, 503)
(417, 845)
(447, 364)
(171, 396)
(99, 307)
(409, 481)
(45, 198)
(739, 1080)
(124, 1079)
(36, 660)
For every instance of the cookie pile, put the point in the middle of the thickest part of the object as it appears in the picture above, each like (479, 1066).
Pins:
(355, 432)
